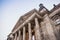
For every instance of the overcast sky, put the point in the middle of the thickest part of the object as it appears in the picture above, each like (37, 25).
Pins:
(11, 10)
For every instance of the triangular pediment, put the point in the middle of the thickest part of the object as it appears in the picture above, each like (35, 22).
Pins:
(27, 17)
(35, 14)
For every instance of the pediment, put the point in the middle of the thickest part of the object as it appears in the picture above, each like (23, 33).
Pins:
(35, 14)
(26, 16)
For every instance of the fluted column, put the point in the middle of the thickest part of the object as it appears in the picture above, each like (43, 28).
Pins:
(49, 28)
(23, 33)
(29, 30)
(15, 36)
(37, 32)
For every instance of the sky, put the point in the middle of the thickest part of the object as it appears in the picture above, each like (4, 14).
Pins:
(12, 10)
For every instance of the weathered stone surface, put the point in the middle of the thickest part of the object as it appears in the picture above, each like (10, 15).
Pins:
(37, 30)
(49, 28)
(42, 24)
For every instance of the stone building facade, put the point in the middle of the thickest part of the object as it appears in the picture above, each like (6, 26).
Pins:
(39, 24)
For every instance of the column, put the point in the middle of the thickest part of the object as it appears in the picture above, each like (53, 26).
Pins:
(19, 35)
(15, 36)
(49, 28)
(37, 32)
(29, 30)
(23, 33)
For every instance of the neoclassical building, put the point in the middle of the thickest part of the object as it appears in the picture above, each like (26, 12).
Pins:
(39, 24)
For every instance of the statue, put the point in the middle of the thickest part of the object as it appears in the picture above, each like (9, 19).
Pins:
(41, 6)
